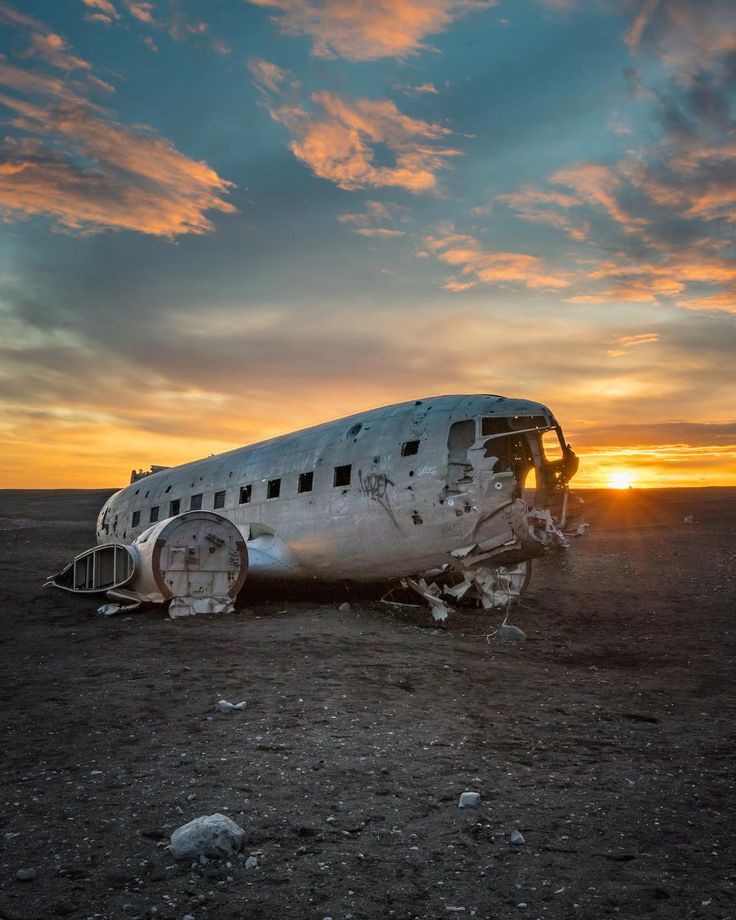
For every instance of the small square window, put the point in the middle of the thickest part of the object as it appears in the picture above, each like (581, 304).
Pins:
(154, 514)
(195, 502)
(409, 448)
(274, 488)
(342, 475)
(174, 507)
(136, 518)
(245, 493)
(219, 500)
(306, 481)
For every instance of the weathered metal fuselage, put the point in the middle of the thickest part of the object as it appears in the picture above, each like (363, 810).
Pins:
(382, 494)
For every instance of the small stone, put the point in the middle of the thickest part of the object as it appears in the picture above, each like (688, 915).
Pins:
(188, 917)
(509, 636)
(331, 820)
(469, 800)
(25, 875)
(224, 706)
(251, 863)
(517, 839)
(344, 607)
(214, 836)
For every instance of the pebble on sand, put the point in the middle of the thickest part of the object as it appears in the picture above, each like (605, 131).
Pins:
(25, 875)
(517, 839)
(224, 706)
(344, 607)
(509, 636)
(214, 836)
(469, 800)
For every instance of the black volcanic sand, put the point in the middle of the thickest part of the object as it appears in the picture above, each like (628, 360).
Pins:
(607, 739)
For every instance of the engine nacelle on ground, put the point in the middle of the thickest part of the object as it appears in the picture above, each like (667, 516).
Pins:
(197, 560)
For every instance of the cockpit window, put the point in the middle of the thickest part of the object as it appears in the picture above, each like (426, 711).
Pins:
(494, 426)
(512, 453)
(503, 425)
(552, 446)
(520, 422)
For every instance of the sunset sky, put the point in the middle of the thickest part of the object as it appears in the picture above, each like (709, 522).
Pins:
(230, 219)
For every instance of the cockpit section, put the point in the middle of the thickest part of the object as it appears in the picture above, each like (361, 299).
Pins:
(519, 457)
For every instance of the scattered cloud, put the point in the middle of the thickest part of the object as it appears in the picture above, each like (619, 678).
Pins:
(102, 11)
(69, 159)
(642, 338)
(686, 35)
(339, 138)
(267, 75)
(359, 31)
(624, 342)
(546, 206)
(371, 221)
(722, 302)
(54, 51)
(598, 185)
(141, 11)
(477, 265)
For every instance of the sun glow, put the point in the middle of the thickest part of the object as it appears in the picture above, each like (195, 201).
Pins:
(621, 479)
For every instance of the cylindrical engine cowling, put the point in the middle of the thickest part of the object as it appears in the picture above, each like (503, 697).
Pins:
(198, 554)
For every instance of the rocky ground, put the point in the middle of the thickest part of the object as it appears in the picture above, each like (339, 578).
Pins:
(606, 739)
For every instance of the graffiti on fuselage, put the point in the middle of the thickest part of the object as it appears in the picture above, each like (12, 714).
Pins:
(375, 486)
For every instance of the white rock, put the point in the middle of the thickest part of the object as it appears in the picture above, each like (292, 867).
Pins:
(225, 706)
(517, 839)
(251, 863)
(469, 800)
(209, 836)
(344, 608)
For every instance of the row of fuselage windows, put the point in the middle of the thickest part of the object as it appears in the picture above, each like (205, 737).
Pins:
(342, 477)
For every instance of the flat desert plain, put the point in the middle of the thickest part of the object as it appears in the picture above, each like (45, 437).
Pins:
(606, 739)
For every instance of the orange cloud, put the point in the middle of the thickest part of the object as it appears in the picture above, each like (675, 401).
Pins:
(266, 74)
(68, 159)
(687, 35)
(104, 11)
(598, 185)
(643, 338)
(54, 50)
(140, 10)
(140, 181)
(542, 206)
(338, 143)
(722, 302)
(370, 222)
(465, 253)
(361, 31)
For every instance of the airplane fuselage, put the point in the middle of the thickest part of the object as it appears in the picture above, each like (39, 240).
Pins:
(373, 496)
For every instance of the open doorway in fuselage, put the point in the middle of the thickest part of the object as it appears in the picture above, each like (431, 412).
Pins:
(460, 439)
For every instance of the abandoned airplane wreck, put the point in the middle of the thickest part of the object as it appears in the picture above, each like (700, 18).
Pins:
(453, 495)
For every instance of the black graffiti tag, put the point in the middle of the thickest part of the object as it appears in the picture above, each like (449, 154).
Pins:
(375, 486)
